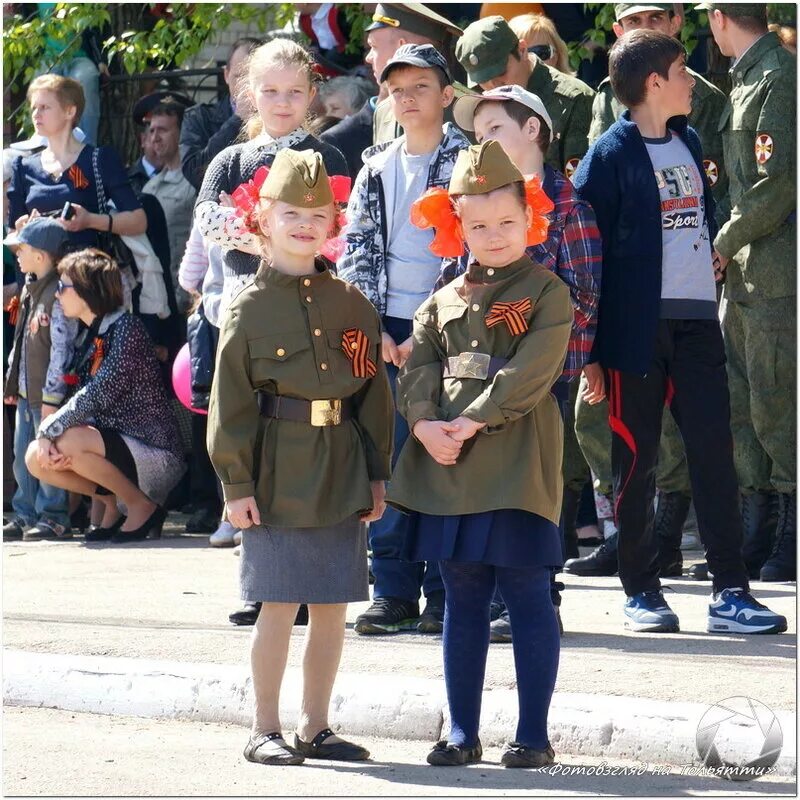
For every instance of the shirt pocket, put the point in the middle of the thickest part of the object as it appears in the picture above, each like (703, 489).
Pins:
(277, 355)
(367, 351)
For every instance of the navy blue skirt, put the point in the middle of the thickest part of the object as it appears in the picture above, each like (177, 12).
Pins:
(505, 538)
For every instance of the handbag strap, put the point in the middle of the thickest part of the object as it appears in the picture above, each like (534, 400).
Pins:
(102, 205)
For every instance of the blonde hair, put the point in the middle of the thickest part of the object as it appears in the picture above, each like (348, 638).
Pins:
(278, 53)
(527, 26)
(68, 92)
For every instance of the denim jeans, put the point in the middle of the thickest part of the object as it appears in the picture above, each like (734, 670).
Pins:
(34, 501)
(395, 577)
(85, 71)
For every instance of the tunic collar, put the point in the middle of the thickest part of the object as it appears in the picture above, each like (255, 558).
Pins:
(754, 53)
(268, 276)
(476, 273)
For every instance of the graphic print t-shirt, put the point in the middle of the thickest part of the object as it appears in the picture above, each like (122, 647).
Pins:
(688, 290)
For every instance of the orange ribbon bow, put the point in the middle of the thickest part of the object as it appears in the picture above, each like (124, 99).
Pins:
(13, 310)
(511, 314)
(356, 347)
(77, 177)
(97, 356)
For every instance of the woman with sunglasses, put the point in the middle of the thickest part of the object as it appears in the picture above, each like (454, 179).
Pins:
(543, 40)
(115, 438)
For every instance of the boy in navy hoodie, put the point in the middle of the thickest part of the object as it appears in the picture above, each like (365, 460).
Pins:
(658, 338)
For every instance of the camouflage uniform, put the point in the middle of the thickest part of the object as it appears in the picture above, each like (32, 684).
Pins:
(591, 422)
(759, 136)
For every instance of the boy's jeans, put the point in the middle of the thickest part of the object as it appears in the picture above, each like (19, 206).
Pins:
(34, 501)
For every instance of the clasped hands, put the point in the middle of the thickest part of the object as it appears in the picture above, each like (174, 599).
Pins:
(444, 440)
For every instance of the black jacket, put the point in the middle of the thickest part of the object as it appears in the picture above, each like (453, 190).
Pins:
(206, 130)
(353, 135)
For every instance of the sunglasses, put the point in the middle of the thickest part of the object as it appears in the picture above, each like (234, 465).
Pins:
(61, 286)
(543, 51)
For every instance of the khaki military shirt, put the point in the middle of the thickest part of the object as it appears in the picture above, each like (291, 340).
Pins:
(515, 462)
(760, 140)
(283, 335)
(569, 103)
(708, 104)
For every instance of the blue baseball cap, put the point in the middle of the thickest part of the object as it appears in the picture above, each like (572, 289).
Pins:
(43, 233)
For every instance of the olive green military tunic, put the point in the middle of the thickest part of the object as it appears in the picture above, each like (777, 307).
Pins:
(285, 335)
(760, 140)
(515, 462)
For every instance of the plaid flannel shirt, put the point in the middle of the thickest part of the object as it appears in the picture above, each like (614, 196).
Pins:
(574, 251)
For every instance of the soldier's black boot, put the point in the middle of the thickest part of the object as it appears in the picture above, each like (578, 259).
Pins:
(569, 513)
(601, 561)
(671, 513)
(782, 563)
(759, 523)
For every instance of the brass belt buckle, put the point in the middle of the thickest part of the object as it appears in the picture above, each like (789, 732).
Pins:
(326, 412)
(470, 365)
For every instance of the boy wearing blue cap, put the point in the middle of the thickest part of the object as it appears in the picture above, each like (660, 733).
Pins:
(42, 349)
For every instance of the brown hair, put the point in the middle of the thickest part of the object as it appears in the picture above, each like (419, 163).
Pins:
(635, 57)
(280, 53)
(520, 113)
(96, 279)
(68, 92)
(527, 26)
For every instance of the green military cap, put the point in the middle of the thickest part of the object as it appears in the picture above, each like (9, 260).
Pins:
(757, 10)
(298, 177)
(414, 18)
(482, 168)
(484, 48)
(622, 10)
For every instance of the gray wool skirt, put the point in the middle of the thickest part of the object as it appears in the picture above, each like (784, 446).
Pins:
(305, 565)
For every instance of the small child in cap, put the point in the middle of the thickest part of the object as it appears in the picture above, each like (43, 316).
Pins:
(300, 434)
(42, 349)
(481, 473)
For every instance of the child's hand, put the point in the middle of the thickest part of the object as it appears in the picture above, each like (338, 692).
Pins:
(389, 351)
(226, 200)
(404, 350)
(378, 502)
(596, 388)
(467, 428)
(10, 401)
(243, 513)
(436, 439)
(719, 263)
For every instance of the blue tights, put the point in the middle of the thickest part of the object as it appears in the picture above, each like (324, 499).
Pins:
(468, 593)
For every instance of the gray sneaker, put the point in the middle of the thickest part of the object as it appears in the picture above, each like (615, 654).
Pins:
(500, 629)
(46, 531)
(13, 531)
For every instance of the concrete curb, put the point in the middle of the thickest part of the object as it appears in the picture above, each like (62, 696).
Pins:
(395, 707)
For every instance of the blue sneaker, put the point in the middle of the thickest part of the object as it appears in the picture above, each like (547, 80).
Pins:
(648, 612)
(737, 611)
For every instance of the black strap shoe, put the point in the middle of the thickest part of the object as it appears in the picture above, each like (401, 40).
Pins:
(454, 755)
(518, 756)
(247, 615)
(336, 751)
(270, 748)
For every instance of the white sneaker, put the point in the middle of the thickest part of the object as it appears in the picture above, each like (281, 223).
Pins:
(224, 535)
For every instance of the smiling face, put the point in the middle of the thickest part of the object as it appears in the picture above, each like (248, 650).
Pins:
(293, 231)
(417, 97)
(282, 96)
(495, 226)
(48, 115)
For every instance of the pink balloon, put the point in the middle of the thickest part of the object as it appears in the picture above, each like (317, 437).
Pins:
(182, 379)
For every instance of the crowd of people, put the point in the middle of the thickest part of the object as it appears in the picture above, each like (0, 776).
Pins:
(464, 328)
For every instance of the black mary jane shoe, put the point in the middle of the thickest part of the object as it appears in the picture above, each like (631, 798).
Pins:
(151, 527)
(336, 751)
(97, 533)
(517, 755)
(279, 754)
(454, 755)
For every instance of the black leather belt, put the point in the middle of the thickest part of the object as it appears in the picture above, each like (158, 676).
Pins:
(480, 366)
(319, 413)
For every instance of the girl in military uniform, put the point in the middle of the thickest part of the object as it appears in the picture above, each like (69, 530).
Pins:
(482, 472)
(300, 434)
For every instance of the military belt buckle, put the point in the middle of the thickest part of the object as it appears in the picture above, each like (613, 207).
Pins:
(326, 412)
(469, 365)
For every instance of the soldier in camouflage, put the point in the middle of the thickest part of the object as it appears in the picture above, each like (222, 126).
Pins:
(757, 249)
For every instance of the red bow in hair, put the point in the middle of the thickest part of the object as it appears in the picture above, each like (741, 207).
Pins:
(434, 210)
(97, 356)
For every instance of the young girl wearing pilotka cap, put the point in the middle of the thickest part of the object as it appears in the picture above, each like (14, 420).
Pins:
(300, 434)
(482, 472)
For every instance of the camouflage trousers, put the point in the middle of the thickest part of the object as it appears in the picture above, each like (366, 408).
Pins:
(761, 350)
(575, 469)
(594, 439)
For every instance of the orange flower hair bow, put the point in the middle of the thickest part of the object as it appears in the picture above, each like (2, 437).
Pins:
(435, 210)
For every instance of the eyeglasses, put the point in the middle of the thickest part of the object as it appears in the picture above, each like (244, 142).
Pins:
(61, 286)
(544, 51)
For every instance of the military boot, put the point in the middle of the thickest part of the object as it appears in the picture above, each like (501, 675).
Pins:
(569, 513)
(601, 561)
(759, 521)
(671, 513)
(782, 563)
